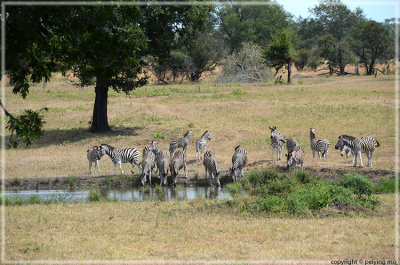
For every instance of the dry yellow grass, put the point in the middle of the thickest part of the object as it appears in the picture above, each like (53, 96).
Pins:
(188, 231)
(234, 113)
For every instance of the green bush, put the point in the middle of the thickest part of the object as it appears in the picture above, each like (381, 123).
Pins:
(385, 186)
(233, 187)
(94, 195)
(359, 184)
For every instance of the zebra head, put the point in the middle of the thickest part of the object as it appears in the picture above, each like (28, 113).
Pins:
(312, 133)
(339, 144)
(187, 134)
(105, 149)
(206, 135)
(153, 147)
(291, 159)
(273, 129)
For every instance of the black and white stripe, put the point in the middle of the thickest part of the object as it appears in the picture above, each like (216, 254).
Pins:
(343, 148)
(239, 160)
(178, 162)
(364, 145)
(318, 145)
(291, 144)
(210, 165)
(162, 160)
(126, 155)
(181, 142)
(148, 164)
(295, 157)
(201, 144)
(277, 141)
(94, 155)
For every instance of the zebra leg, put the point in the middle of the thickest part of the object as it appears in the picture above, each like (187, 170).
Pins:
(273, 150)
(355, 159)
(205, 176)
(319, 155)
(361, 163)
(313, 154)
(133, 166)
(90, 168)
(372, 152)
(115, 165)
(120, 167)
(150, 176)
(98, 166)
(184, 168)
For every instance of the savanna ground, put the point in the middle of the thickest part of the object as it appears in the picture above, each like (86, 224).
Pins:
(235, 114)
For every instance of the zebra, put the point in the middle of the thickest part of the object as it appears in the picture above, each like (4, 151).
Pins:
(295, 157)
(239, 161)
(202, 144)
(320, 145)
(177, 163)
(277, 141)
(343, 148)
(210, 165)
(364, 145)
(94, 155)
(162, 161)
(181, 142)
(148, 164)
(291, 144)
(119, 156)
(153, 147)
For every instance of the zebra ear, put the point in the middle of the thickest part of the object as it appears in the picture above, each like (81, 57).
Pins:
(286, 155)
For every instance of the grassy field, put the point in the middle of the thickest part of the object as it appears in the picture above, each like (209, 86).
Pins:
(234, 113)
(191, 230)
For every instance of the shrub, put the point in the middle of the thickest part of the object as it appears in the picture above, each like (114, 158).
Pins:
(385, 186)
(233, 187)
(359, 184)
(158, 135)
(94, 195)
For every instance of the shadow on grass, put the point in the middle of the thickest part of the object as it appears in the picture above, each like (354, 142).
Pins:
(63, 137)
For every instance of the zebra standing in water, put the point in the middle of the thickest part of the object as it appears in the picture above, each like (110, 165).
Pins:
(162, 160)
(343, 148)
(320, 145)
(181, 142)
(239, 160)
(364, 145)
(202, 144)
(93, 155)
(148, 164)
(177, 163)
(277, 141)
(126, 155)
(210, 165)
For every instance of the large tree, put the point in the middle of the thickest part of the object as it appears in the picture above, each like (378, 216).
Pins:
(371, 41)
(251, 23)
(333, 18)
(103, 43)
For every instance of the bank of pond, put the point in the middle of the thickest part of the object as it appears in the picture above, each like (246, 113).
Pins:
(269, 191)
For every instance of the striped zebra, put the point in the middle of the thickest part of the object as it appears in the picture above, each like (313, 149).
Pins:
(148, 164)
(291, 144)
(178, 162)
(181, 142)
(210, 165)
(162, 161)
(277, 141)
(239, 160)
(320, 145)
(295, 157)
(202, 144)
(94, 155)
(343, 148)
(126, 155)
(364, 145)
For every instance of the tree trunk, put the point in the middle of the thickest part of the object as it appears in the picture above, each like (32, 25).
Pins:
(100, 120)
(289, 72)
(341, 66)
(358, 69)
(370, 69)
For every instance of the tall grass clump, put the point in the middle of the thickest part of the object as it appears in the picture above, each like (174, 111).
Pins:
(385, 186)
(359, 184)
(94, 195)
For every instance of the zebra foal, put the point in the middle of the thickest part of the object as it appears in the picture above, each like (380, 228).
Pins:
(202, 144)
(178, 162)
(364, 145)
(318, 145)
(94, 155)
(126, 155)
(181, 142)
(344, 149)
(291, 144)
(162, 160)
(210, 165)
(277, 141)
(295, 157)
(239, 161)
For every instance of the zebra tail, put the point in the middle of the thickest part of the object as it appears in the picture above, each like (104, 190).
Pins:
(377, 143)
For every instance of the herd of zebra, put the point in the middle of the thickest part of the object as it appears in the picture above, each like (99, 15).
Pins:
(152, 158)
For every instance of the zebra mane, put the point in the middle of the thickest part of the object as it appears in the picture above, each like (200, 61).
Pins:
(108, 146)
(345, 136)
(205, 133)
(187, 133)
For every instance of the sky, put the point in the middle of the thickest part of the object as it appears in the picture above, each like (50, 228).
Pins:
(376, 10)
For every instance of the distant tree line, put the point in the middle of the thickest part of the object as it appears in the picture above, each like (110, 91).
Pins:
(115, 46)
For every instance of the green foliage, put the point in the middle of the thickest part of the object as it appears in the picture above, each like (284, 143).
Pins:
(191, 125)
(16, 182)
(158, 135)
(94, 195)
(359, 184)
(238, 92)
(385, 186)
(71, 182)
(301, 58)
(233, 187)
(26, 126)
